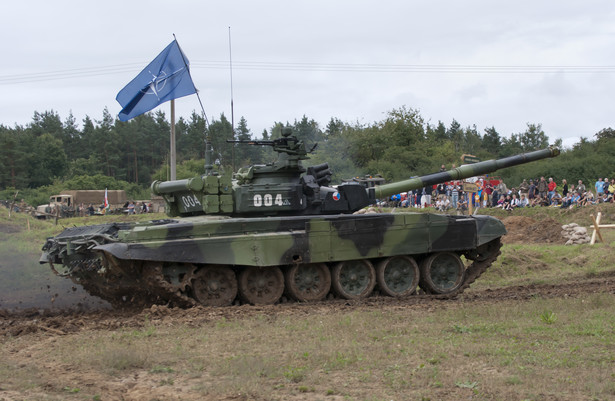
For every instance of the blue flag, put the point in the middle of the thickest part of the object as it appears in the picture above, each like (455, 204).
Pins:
(164, 79)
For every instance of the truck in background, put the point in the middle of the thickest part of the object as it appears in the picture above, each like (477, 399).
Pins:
(67, 203)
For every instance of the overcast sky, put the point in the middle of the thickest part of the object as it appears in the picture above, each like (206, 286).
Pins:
(483, 62)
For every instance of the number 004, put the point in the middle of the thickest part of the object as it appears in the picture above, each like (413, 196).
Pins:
(268, 200)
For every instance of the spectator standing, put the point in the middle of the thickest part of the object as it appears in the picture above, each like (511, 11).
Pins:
(502, 189)
(524, 188)
(131, 208)
(551, 186)
(455, 195)
(564, 187)
(599, 187)
(543, 187)
(495, 196)
(427, 196)
(580, 187)
(532, 191)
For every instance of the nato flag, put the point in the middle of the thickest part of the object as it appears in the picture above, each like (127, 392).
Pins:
(165, 78)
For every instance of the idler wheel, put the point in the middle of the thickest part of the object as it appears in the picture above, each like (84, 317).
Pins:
(261, 285)
(442, 273)
(308, 282)
(353, 279)
(215, 286)
(398, 276)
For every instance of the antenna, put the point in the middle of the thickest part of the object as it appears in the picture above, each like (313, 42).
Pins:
(230, 60)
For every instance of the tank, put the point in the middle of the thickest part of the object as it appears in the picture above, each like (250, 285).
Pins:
(282, 231)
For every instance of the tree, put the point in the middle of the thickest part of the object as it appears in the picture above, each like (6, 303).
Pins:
(533, 138)
(48, 160)
(403, 127)
(455, 134)
(437, 134)
(492, 141)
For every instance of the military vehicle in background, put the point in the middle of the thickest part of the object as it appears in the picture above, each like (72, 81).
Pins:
(67, 203)
(280, 228)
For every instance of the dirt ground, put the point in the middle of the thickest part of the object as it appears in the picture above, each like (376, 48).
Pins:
(39, 328)
(525, 230)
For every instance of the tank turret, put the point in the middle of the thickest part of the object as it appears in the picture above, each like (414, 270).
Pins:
(285, 187)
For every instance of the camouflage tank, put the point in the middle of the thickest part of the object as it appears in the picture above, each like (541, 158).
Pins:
(281, 229)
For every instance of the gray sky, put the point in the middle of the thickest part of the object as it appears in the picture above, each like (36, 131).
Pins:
(483, 62)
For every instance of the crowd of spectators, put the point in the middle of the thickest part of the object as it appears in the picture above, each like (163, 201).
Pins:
(530, 193)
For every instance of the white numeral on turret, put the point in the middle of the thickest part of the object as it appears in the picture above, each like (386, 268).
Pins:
(190, 201)
(268, 200)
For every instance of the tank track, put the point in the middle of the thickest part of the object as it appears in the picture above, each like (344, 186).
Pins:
(138, 283)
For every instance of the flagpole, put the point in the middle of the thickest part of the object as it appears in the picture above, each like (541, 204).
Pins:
(172, 147)
(230, 60)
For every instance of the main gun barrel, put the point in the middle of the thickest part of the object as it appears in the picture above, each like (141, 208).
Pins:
(459, 173)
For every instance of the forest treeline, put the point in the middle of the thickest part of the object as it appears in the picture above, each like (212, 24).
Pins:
(50, 154)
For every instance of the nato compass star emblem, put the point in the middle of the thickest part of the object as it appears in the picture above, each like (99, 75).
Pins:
(157, 84)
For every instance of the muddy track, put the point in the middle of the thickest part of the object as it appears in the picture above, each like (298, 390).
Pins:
(61, 322)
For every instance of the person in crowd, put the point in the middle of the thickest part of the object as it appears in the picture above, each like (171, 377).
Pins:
(514, 202)
(524, 188)
(462, 204)
(575, 199)
(502, 189)
(487, 193)
(543, 187)
(599, 185)
(551, 187)
(501, 201)
(567, 201)
(523, 202)
(426, 199)
(495, 196)
(454, 195)
(580, 187)
(506, 205)
(556, 199)
(544, 201)
(564, 187)
(131, 208)
(532, 192)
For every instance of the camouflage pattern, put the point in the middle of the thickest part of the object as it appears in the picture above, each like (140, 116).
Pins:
(279, 228)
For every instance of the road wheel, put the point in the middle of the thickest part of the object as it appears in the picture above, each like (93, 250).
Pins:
(308, 282)
(261, 285)
(398, 276)
(215, 286)
(442, 273)
(353, 279)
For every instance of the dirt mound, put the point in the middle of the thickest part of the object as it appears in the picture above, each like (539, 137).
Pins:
(526, 230)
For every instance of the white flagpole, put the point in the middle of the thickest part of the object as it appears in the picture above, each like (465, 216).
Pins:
(172, 147)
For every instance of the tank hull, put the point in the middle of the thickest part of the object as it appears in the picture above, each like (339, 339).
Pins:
(160, 262)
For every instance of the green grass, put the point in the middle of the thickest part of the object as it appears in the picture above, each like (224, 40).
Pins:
(534, 349)
(502, 350)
